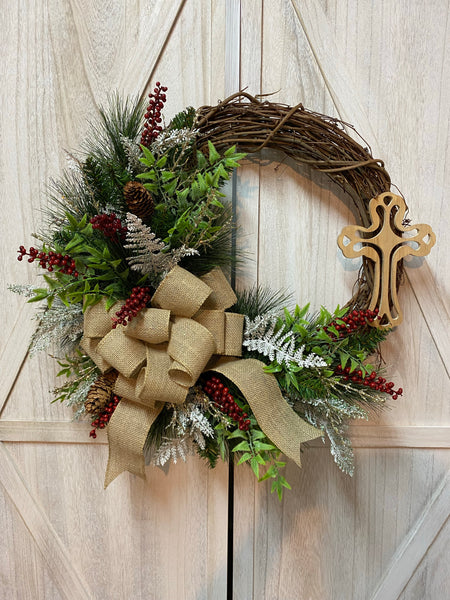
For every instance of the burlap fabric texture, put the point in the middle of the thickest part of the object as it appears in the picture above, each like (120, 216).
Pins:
(162, 353)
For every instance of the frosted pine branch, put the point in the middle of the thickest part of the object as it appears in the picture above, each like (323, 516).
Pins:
(174, 256)
(172, 448)
(133, 153)
(188, 427)
(260, 336)
(26, 290)
(60, 325)
(168, 139)
(335, 429)
(259, 325)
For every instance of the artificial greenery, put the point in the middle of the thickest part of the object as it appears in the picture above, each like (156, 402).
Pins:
(93, 247)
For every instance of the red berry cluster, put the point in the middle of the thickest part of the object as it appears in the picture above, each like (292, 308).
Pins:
(374, 382)
(109, 225)
(220, 394)
(48, 261)
(352, 322)
(103, 418)
(140, 297)
(152, 127)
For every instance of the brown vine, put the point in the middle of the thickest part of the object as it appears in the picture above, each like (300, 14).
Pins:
(309, 138)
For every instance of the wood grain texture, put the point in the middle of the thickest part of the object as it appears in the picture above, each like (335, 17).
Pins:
(161, 538)
(232, 45)
(248, 176)
(67, 577)
(431, 578)
(414, 77)
(333, 536)
(14, 351)
(413, 548)
(139, 70)
(27, 577)
(338, 81)
(436, 310)
(369, 436)
(385, 67)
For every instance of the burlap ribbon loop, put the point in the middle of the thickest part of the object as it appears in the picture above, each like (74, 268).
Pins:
(154, 383)
(191, 346)
(162, 353)
(124, 353)
(151, 325)
(181, 292)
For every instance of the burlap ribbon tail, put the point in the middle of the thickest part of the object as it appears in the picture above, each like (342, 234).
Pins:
(162, 352)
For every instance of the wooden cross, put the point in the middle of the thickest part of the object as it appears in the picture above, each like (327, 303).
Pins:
(383, 243)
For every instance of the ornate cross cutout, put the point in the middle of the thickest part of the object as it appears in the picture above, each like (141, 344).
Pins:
(383, 243)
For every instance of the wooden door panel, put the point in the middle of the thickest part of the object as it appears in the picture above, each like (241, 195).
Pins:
(335, 536)
(349, 60)
(165, 538)
(383, 67)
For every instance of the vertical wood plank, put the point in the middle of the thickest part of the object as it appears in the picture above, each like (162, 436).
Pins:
(232, 45)
(247, 218)
(413, 548)
(61, 565)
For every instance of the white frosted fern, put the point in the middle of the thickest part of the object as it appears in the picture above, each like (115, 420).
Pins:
(260, 336)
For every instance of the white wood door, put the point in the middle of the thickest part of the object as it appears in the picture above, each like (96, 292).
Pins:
(383, 534)
(62, 535)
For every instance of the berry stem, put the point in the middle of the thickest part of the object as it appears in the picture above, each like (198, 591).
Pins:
(351, 322)
(152, 127)
(110, 225)
(220, 394)
(64, 263)
(102, 420)
(140, 297)
(373, 381)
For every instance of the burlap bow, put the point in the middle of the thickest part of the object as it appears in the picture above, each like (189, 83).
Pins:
(163, 351)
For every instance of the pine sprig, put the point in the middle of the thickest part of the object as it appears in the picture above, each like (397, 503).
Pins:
(60, 326)
(260, 301)
(120, 118)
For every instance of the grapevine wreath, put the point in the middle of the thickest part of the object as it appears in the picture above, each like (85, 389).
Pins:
(156, 345)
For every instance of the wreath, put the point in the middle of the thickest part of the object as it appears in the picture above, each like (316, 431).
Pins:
(156, 345)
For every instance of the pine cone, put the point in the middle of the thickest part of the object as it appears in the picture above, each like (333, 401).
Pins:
(138, 199)
(100, 393)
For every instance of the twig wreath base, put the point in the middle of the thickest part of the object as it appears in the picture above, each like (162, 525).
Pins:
(309, 138)
(322, 143)
(156, 345)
